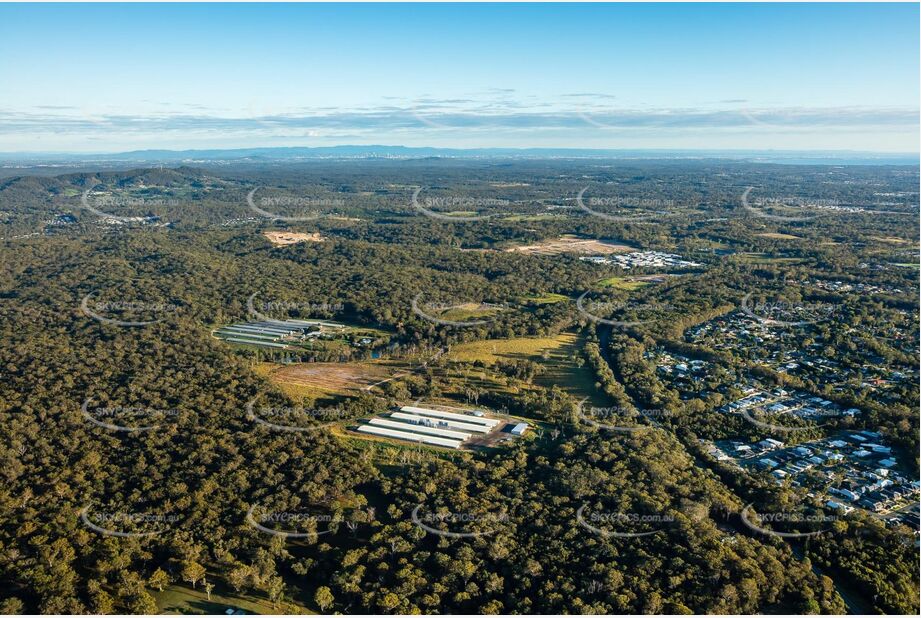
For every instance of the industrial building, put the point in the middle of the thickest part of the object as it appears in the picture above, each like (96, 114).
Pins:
(273, 333)
(434, 426)
(410, 436)
(436, 422)
(467, 418)
(445, 433)
(519, 429)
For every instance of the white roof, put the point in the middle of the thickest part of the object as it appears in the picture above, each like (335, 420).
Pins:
(256, 342)
(411, 437)
(432, 431)
(467, 418)
(258, 329)
(520, 428)
(447, 423)
(233, 333)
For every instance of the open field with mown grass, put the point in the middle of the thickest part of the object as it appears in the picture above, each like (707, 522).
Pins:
(181, 599)
(557, 355)
(779, 236)
(548, 298)
(464, 312)
(623, 283)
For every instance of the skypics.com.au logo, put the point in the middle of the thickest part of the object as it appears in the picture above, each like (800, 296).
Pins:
(277, 310)
(631, 210)
(786, 313)
(616, 418)
(95, 201)
(456, 209)
(764, 207)
(126, 525)
(755, 521)
(294, 418)
(127, 418)
(458, 525)
(814, 415)
(292, 524)
(138, 312)
(621, 524)
(593, 309)
(290, 208)
(437, 312)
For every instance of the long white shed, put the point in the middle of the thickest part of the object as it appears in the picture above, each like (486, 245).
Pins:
(410, 437)
(256, 342)
(229, 332)
(265, 329)
(434, 431)
(466, 418)
(253, 331)
(443, 422)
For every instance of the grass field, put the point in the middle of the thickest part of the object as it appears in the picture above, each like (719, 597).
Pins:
(622, 283)
(779, 236)
(463, 312)
(492, 350)
(556, 354)
(545, 299)
(179, 599)
(764, 258)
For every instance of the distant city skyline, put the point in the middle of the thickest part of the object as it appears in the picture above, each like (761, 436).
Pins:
(109, 78)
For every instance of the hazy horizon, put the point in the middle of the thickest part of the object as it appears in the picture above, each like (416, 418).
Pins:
(116, 78)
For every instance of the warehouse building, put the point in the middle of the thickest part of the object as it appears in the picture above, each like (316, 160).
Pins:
(443, 422)
(272, 333)
(519, 429)
(434, 431)
(466, 418)
(437, 427)
(410, 436)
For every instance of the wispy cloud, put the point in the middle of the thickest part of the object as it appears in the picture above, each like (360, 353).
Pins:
(458, 114)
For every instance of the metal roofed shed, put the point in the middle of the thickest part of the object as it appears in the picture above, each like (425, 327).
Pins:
(256, 343)
(410, 437)
(434, 431)
(519, 429)
(436, 422)
(467, 418)
(228, 332)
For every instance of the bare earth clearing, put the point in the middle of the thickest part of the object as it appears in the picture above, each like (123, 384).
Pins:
(281, 239)
(571, 244)
(333, 377)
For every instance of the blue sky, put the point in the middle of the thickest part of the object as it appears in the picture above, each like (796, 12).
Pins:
(111, 77)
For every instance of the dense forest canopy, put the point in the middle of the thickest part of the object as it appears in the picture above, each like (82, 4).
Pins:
(112, 283)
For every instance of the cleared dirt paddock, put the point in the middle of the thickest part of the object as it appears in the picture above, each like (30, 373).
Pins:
(572, 244)
(281, 239)
(333, 377)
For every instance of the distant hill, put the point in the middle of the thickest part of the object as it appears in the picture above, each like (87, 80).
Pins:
(9, 162)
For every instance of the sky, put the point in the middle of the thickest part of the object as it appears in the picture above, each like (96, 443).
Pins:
(117, 77)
